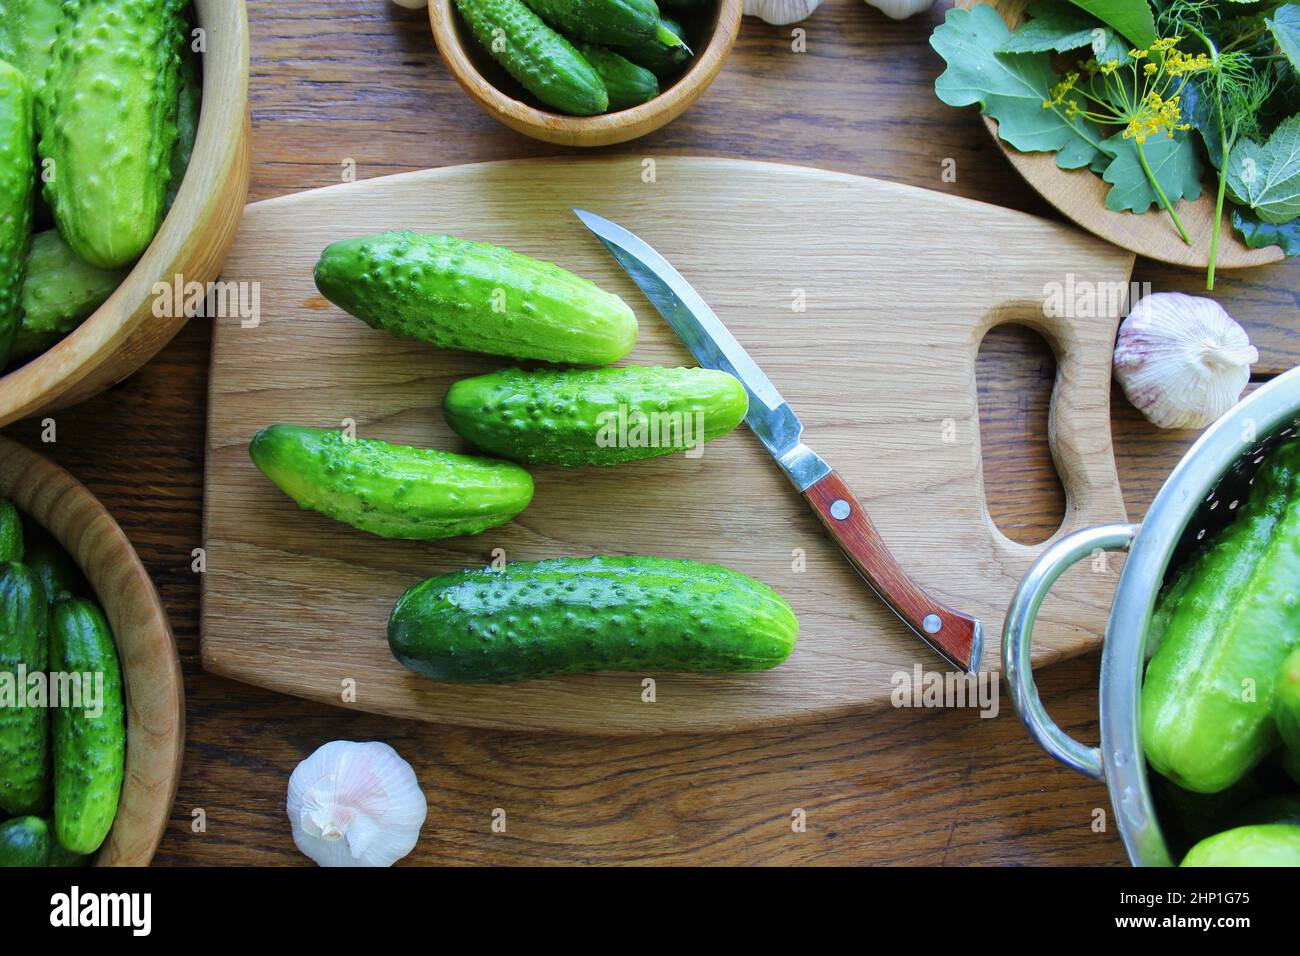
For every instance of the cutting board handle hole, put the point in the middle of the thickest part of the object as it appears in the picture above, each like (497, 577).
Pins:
(1014, 374)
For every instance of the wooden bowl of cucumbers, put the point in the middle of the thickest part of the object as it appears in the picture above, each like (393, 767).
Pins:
(88, 252)
(96, 781)
(587, 73)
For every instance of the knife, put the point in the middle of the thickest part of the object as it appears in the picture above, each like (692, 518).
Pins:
(957, 637)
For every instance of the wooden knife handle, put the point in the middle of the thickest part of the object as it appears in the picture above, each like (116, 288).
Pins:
(955, 635)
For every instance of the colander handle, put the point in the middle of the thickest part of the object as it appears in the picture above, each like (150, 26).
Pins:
(1018, 633)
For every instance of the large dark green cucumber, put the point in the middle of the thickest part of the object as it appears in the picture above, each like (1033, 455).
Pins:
(24, 841)
(11, 532)
(604, 21)
(569, 616)
(17, 192)
(394, 491)
(59, 575)
(1286, 704)
(474, 296)
(599, 416)
(1207, 700)
(24, 729)
(663, 56)
(543, 62)
(628, 85)
(108, 124)
(90, 737)
(61, 290)
(1269, 844)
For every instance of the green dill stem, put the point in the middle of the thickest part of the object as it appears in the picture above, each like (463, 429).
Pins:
(1164, 200)
(1224, 149)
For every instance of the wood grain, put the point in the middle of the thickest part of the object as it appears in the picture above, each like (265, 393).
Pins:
(492, 88)
(1081, 195)
(335, 80)
(151, 673)
(878, 363)
(124, 332)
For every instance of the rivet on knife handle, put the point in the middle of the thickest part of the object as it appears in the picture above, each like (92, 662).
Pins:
(956, 636)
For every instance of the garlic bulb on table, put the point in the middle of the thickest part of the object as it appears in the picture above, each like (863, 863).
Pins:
(355, 804)
(1182, 360)
(781, 12)
(901, 9)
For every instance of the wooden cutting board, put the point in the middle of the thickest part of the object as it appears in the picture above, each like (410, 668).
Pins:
(864, 301)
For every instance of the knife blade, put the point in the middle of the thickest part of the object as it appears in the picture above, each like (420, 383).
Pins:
(957, 637)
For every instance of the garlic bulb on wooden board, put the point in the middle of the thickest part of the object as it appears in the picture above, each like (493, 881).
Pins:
(781, 12)
(355, 804)
(901, 9)
(412, 4)
(1182, 360)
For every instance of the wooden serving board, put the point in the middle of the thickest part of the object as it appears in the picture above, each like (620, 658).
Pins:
(898, 286)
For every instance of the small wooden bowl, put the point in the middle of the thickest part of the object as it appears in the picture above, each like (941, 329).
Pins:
(1081, 195)
(123, 333)
(494, 90)
(151, 670)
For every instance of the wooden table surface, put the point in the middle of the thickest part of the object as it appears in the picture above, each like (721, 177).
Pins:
(336, 82)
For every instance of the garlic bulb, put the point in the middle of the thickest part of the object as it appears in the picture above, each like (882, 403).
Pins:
(355, 804)
(1182, 360)
(781, 12)
(901, 9)
(412, 4)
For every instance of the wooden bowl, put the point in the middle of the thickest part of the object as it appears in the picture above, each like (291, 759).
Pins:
(1081, 195)
(151, 671)
(494, 90)
(123, 333)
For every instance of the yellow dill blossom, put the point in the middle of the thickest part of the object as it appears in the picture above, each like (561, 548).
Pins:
(1059, 92)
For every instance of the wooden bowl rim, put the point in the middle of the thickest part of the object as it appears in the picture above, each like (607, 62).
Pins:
(38, 384)
(1149, 234)
(155, 714)
(607, 128)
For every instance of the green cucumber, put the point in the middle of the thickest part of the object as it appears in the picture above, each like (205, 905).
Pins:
(1269, 844)
(59, 575)
(109, 125)
(599, 416)
(1207, 701)
(24, 841)
(663, 54)
(89, 738)
(11, 532)
(1286, 702)
(570, 616)
(541, 61)
(628, 85)
(24, 730)
(394, 491)
(477, 297)
(60, 292)
(187, 121)
(604, 21)
(17, 191)
(30, 26)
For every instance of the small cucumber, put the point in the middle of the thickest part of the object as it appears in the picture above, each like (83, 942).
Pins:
(109, 124)
(60, 292)
(1286, 702)
(59, 575)
(604, 21)
(90, 738)
(31, 26)
(570, 616)
(664, 54)
(1269, 844)
(1207, 700)
(629, 85)
(474, 296)
(543, 62)
(17, 189)
(11, 532)
(187, 120)
(599, 416)
(24, 730)
(24, 841)
(394, 491)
